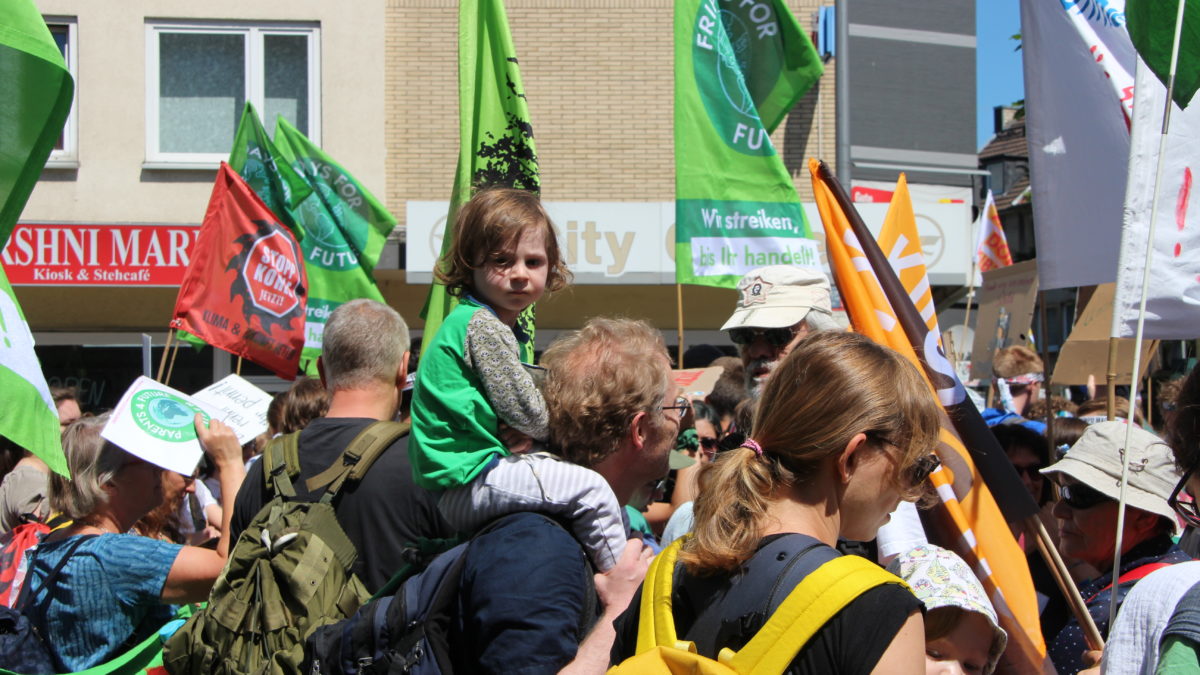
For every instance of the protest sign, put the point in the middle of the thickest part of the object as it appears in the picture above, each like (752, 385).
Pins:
(1005, 312)
(239, 404)
(696, 383)
(156, 423)
(1086, 350)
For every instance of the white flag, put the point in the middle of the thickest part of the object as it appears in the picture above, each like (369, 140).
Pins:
(1173, 303)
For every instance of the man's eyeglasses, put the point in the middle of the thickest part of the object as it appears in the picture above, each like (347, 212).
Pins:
(776, 337)
(1079, 496)
(682, 406)
(1186, 510)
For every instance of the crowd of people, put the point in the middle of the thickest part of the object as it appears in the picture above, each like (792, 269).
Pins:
(584, 473)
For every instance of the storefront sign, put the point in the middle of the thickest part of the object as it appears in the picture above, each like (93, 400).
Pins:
(634, 242)
(98, 254)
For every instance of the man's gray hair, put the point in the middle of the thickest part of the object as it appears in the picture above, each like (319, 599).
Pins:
(364, 342)
(92, 461)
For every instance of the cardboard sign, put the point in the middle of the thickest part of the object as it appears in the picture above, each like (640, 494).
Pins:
(1086, 349)
(696, 383)
(239, 404)
(1005, 312)
(156, 423)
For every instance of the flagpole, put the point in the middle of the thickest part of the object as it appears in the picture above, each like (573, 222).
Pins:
(1134, 379)
(171, 365)
(679, 314)
(162, 364)
(238, 372)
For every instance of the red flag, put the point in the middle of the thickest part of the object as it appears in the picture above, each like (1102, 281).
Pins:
(245, 290)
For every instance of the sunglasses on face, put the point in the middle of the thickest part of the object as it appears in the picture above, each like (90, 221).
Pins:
(1079, 496)
(1186, 510)
(709, 444)
(776, 337)
(919, 472)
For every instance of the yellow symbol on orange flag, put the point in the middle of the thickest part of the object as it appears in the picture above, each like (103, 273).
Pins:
(966, 518)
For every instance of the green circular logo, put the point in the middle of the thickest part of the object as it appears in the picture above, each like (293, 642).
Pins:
(731, 74)
(165, 416)
(334, 247)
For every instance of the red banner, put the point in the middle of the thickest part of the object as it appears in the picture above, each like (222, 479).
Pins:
(98, 254)
(245, 290)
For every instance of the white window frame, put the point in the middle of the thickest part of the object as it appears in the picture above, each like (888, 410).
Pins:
(255, 82)
(68, 157)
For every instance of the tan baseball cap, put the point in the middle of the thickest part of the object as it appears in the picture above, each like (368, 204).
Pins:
(779, 296)
(1095, 461)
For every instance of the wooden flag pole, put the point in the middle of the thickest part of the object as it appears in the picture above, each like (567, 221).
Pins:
(239, 366)
(1134, 379)
(679, 313)
(162, 364)
(1110, 377)
(1062, 576)
(171, 365)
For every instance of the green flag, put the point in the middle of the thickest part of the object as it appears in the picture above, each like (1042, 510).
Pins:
(495, 135)
(35, 104)
(362, 222)
(335, 274)
(1151, 25)
(739, 68)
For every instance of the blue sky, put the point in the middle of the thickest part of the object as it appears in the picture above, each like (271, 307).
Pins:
(999, 80)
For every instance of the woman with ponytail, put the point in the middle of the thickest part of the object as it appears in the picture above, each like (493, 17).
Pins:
(844, 431)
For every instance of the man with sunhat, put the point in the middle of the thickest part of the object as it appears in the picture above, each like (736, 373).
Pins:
(1089, 481)
(777, 306)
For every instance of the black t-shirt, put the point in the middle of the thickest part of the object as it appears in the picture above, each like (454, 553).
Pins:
(851, 642)
(382, 515)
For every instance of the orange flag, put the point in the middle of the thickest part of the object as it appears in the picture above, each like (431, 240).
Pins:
(992, 251)
(967, 518)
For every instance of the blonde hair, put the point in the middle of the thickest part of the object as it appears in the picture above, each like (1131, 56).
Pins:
(597, 379)
(1016, 360)
(832, 386)
(92, 461)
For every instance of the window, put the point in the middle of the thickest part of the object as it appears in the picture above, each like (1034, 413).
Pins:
(199, 77)
(998, 185)
(65, 153)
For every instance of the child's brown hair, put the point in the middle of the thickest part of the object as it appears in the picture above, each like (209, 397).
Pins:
(490, 223)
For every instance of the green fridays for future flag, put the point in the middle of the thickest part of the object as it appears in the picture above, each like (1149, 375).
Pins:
(495, 135)
(739, 68)
(362, 223)
(36, 99)
(335, 259)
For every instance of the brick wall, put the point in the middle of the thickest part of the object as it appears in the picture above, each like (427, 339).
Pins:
(598, 77)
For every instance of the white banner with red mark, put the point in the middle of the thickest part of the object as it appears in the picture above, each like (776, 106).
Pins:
(1173, 303)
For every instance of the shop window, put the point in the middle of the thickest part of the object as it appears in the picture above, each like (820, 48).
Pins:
(199, 77)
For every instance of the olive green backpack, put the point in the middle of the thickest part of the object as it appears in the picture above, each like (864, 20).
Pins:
(289, 572)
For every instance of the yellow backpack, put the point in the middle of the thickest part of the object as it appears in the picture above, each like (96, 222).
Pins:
(812, 603)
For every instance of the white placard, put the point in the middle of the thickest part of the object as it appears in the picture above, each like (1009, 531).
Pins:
(239, 404)
(156, 423)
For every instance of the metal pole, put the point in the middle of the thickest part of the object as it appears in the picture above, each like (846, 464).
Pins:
(842, 85)
(1134, 378)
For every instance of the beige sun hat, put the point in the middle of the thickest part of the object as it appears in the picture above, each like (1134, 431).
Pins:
(1095, 461)
(779, 296)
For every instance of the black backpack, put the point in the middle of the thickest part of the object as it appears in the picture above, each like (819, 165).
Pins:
(22, 648)
(409, 631)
